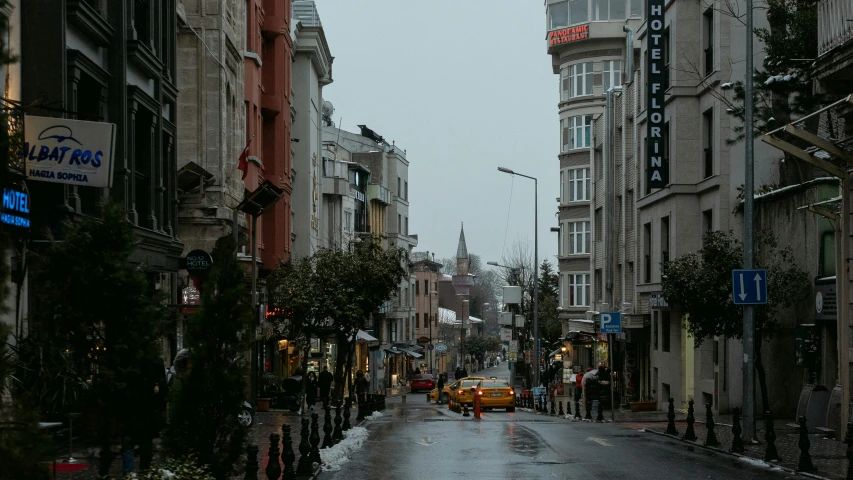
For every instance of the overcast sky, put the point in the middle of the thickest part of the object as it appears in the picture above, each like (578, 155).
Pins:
(464, 86)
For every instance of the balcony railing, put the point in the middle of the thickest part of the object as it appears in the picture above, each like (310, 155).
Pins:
(335, 169)
(306, 12)
(379, 193)
(834, 26)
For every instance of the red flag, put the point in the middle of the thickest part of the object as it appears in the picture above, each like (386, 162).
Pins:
(243, 162)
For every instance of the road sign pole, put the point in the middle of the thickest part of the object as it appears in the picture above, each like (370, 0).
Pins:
(612, 381)
(748, 260)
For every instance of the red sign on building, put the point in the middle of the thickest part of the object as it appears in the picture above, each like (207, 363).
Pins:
(568, 35)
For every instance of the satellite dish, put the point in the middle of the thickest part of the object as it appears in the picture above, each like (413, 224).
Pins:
(328, 108)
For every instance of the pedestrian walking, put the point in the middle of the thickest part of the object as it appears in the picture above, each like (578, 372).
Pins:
(440, 386)
(325, 380)
(311, 390)
(361, 387)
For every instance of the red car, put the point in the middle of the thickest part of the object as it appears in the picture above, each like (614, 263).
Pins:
(423, 381)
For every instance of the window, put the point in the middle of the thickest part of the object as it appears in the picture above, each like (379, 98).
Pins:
(406, 224)
(647, 253)
(708, 21)
(611, 73)
(406, 297)
(707, 220)
(564, 135)
(142, 21)
(392, 331)
(598, 292)
(418, 321)
(580, 131)
(579, 184)
(399, 190)
(417, 288)
(406, 189)
(426, 287)
(579, 290)
(348, 220)
(614, 9)
(578, 11)
(562, 186)
(578, 237)
(636, 8)
(664, 239)
(580, 79)
(561, 237)
(827, 253)
(655, 328)
(564, 84)
(559, 15)
(665, 327)
(708, 120)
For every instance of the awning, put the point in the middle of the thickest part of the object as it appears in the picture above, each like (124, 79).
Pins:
(393, 352)
(581, 325)
(411, 353)
(362, 335)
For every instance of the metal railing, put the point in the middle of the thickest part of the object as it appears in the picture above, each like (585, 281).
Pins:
(834, 25)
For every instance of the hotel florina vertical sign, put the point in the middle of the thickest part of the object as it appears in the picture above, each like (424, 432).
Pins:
(656, 173)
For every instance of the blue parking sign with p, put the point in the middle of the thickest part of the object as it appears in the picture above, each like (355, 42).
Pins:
(611, 322)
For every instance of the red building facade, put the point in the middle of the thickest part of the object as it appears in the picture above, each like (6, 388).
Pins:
(268, 66)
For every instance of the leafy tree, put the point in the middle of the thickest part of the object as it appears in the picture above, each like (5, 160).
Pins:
(550, 326)
(479, 346)
(105, 314)
(208, 397)
(700, 285)
(783, 88)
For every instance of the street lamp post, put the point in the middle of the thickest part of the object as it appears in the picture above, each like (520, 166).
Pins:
(513, 280)
(431, 355)
(536, 346)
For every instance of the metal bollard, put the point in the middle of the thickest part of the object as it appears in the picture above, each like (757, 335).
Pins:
(251, 463)
(338, 435)
(465, 411)
(327, 426)
(737, 442)
(805, 464)
(770, 437)
(577, 409)
(303, 467)
(711, 438)
(273, 469)
(670, 415)
(347, 408)
(690, 433)
(477, 407)
(287, 456)
(315, 439)
(588, 408)
(560, 411)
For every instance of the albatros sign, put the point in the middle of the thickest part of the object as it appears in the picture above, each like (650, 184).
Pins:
(656, 172)
(73, 152)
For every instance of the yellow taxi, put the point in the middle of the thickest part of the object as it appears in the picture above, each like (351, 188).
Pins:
(461, 394)
(495, 393)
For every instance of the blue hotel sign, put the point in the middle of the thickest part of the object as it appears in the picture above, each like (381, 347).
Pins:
(72, 152)
(15, 209)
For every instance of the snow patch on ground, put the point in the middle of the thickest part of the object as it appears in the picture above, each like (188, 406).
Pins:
(334, 457)
(754, 462)
(373, 416)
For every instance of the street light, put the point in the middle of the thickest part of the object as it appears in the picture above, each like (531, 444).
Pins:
(535, 271)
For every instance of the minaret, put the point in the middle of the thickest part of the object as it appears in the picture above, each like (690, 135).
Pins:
(462, 283)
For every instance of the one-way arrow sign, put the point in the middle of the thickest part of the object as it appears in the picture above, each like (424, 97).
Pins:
(749, 287)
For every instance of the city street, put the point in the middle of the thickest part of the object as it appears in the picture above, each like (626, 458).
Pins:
(428, 441)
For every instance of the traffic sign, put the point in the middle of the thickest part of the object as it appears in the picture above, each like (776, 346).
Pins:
(513, 356)
(431, 346)
(440, 347)
(749, 287)
(611, 322)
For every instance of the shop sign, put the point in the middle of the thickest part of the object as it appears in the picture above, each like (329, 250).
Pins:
(198, 262)
(568, 35)
(15, 210)
(656, 173)
(190, 296)
(658, 300)
(73, 152)
(825, 302)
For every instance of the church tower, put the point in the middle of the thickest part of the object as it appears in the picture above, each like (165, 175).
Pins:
(462, 283)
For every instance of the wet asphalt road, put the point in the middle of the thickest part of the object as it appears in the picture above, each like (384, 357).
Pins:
(427, 441)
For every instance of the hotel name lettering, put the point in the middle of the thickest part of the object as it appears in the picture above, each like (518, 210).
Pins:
(656, 172)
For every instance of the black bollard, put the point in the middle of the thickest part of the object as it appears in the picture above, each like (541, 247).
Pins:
(383, 402)
(327, 426)
(315, 439)
(337, 435)
(690, 433)
(670, 415)
(554, 410)
(600, 416)
(560, 411)
(770, 437)
(303, 467)
(577, 409)
(251, 463)
(273, 469)
(711, 438)
(737, 442)
(805, 464)
(287, 456)
(588, 408)
(360, 415)
(347, 408)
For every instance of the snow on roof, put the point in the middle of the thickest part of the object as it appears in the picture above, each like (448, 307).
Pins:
(447, 316)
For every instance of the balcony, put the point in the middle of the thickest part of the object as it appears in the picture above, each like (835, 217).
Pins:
(379, 193)
(834, 27)
(335, 177)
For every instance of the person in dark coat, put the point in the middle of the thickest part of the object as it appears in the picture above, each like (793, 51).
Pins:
(325, 381)
(311, 390)
(361, 387)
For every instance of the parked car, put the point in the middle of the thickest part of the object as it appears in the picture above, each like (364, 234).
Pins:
(422, 381)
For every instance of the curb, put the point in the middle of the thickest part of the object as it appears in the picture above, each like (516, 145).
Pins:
(737, 455)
